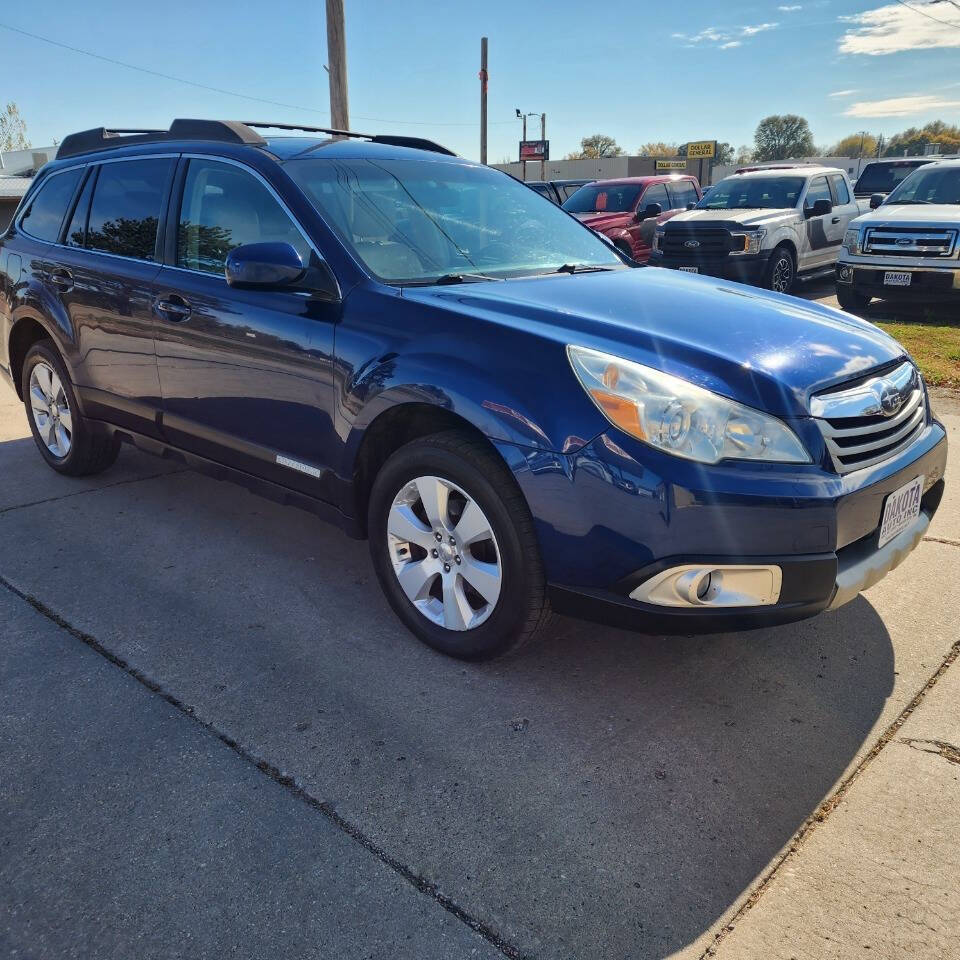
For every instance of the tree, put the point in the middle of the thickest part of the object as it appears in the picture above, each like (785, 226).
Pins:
(13, 129)
(744, 154)
(782, 136)
(658, 149)
(861, 144)
(912, 142)
(596, 146)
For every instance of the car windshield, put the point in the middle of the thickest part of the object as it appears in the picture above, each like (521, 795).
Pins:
(419, 221)
(883, 177)
(753, 193)
(928, 185)
(603, 198)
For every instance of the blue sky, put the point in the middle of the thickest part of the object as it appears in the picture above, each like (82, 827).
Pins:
(698, 70)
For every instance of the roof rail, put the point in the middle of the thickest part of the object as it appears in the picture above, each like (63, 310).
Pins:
(777, 166)
(107, 138)
(224, 131)
(416, 143)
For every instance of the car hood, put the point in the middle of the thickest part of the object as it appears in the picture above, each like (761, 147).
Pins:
(745, 218)
(763, 349)
(598, 221)
(922, 214)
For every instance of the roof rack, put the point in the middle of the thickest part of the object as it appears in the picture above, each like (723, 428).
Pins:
(416, 143)
(776, 166)
(224, 131)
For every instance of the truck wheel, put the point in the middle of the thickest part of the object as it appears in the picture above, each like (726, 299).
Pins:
(453, 544)
(65, 439)
(850, 300)
(781, 270)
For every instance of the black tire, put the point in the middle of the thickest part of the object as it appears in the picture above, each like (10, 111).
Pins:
(90, 450)
(781, 270)
(850, 300)
(521, 610)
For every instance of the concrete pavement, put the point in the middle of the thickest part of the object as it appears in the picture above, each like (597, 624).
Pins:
(605, 795)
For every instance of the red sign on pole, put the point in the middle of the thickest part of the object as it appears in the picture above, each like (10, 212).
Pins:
(534, 149)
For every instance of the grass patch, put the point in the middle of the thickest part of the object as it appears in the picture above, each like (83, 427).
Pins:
(935, 346)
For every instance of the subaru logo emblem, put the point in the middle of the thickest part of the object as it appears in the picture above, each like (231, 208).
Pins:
(904, 242)
(692, 243)
(891, 400)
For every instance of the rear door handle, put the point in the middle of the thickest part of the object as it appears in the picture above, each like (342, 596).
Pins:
(835, 220)
(61, 278)
(173, 308)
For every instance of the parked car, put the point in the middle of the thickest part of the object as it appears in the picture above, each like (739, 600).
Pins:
(882, 176)
(417, 348)
(764, 226)
(556, 190)
(627, 211)
(907, 247)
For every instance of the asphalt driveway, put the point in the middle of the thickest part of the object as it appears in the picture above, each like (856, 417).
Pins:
(216, 740)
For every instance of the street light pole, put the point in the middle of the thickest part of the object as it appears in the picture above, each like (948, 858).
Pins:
(543, 137)
(337, 65)
(483, 100)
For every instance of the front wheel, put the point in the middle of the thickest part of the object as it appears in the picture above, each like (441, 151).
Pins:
(65, 439)
(850, 300)
(453, 545)
(781, 271)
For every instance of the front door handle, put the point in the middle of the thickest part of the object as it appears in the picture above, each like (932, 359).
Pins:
(835, 220)
(62, 278)
(173, 308)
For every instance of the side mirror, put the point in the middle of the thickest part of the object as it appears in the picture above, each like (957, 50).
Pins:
(876, 199)
(263, 266)
(691, 206)
(651, 210)
(820, 208)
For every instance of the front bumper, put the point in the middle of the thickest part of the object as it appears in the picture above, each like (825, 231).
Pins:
(744, 268)
(927, 284)
(618, 513)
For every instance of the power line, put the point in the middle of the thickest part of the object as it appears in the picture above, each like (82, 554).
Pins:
(223, 91)
(946, 23)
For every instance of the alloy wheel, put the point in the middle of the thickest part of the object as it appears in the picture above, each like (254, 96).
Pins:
(444, 553)
(51, 409)
(782, 275)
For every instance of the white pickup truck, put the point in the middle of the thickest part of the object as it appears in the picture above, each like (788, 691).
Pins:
(762, 225)
(908, 245)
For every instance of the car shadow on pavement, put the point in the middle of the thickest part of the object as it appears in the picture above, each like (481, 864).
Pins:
(603, 794)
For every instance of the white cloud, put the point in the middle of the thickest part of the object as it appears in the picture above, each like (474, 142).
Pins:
(899, 106)
(724, 38)
(791, 8)
(895, 27)
(842, 93)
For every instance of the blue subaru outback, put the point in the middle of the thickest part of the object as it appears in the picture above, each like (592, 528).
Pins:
(433, 356)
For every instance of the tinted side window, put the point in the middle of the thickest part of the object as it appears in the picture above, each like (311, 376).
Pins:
(681, 193)
(840, 188)
(655, 194)
(49, 206)
(224, 207)
(127, 202)
(818, 190)
(77, 229)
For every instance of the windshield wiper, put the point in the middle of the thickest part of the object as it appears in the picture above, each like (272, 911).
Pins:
(904, 203)
(581, 268)
(449, 278)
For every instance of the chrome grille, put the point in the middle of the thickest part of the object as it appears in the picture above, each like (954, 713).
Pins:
(909, 241)
(872, 420)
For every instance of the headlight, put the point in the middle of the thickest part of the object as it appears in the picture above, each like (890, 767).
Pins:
(851, 240)
(678, 417)
(747, 242)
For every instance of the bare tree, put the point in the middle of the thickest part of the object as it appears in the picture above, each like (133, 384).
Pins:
(13, 129)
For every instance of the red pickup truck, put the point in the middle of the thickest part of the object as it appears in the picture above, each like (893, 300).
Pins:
(628, 210)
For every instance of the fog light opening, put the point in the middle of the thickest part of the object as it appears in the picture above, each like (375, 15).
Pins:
(700, 585)
(846, 274)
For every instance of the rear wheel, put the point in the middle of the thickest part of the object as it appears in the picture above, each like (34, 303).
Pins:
(781, 270)
(850, 300)
(454, 548)
(67, 441)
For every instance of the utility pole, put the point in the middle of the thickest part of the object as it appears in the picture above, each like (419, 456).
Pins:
(543, 137)
(483, 100)
(337, 65)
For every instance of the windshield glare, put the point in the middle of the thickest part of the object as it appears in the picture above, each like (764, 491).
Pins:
(753, 193)
(929, 185)
(603, 198)
(414, 221)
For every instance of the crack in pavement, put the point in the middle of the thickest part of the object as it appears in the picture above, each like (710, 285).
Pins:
(948, 542)
(80, 493)
(286, 781)
(941, 748)
(832, 802)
